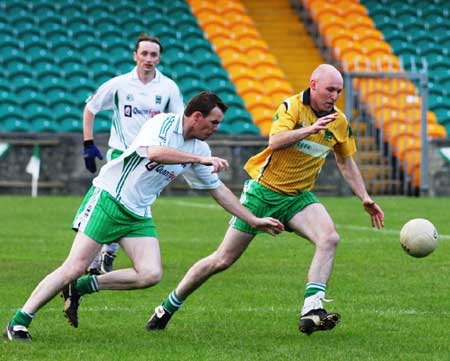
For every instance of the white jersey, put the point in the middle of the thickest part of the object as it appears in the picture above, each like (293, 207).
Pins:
(136, 181)
(134, 102)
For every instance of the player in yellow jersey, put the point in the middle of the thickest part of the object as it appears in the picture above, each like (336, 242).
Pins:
(307, 127)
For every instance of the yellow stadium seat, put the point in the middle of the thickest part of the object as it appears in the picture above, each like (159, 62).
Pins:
(253, 43)
(352, 8)
(353, 22)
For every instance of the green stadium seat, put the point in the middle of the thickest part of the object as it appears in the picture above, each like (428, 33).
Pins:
(235, 114)
(102, 126)
(72, 9)
(82, 92)
(216, 72)
(124, 65)
(442, 113)
(232, 100)
(56, 92)
(71, 125)
(44, 125)
(218, 85)
(15, 125)
(50, 23)
(184, 68)
(243, 127)
(225, 128)
(8, 108)
(42, 9)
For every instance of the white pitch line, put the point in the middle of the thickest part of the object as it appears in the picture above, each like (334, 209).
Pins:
(245, 309)
(348, 226)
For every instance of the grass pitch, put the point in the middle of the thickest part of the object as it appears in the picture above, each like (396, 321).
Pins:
(393, 306)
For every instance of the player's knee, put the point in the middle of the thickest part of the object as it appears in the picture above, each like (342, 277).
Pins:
(72, 272)
(332, 239)
(224, 261)
(328, 240)
(149, 277)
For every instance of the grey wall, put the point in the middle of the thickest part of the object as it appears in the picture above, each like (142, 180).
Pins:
(63, 172)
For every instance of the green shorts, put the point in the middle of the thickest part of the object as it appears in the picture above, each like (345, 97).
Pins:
(113, 154)
(105, 220)
(263, 202)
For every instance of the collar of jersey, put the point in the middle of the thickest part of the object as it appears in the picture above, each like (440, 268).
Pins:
(134, 76)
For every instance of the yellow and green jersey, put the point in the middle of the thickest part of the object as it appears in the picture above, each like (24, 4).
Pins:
(295, 169)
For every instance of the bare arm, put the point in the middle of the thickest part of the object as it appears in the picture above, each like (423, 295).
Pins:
(230, 203)
(88, 124)
(350, 171)
(289, 137)
(168, 155)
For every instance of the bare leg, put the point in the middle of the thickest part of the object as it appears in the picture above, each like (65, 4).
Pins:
(83, 251)
(233, 245)
(147, 269)
(315, 224)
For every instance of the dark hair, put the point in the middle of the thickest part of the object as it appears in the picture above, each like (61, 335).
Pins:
(204, 102)
(146, 37)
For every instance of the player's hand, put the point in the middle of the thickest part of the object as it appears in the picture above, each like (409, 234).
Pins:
(322, 123)
(269, 225)
(90, 152)
(218, 164)
(375, 212)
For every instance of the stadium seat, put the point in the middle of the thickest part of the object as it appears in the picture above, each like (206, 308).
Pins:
(40, 125)
(243, 127)
(225, 128)
(71, 125)
(102, 125)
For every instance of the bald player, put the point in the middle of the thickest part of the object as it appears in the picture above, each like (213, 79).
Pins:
(306, 127)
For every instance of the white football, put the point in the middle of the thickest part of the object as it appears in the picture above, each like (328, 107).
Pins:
(418, 237)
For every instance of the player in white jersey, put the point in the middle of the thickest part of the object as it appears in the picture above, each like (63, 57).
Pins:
(117, 208)
(134, 97)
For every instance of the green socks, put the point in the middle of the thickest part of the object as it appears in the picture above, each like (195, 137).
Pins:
(86, 285)
(312, 288)
(172, 303)
(22, 318)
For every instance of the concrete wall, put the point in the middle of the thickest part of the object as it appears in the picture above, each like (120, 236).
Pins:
(438, 168)
(63, 171)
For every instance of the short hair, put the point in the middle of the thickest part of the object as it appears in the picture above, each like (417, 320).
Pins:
(146, 37)
(204, 102)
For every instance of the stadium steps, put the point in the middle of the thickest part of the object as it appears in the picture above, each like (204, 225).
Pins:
(348, 36)
(245, 55)
(288, 40)
(279, 27)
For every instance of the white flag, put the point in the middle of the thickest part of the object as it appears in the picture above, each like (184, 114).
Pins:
(33, 167)
(4, 148)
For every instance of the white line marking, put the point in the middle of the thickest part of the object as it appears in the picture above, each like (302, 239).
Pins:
(347, 226)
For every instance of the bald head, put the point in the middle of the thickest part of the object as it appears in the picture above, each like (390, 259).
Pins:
(324, 71)
(326, 84)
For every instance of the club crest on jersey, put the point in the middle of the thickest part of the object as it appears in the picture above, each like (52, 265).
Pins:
(130, 97)
(328, 135)
(127, 111)
(158, 99)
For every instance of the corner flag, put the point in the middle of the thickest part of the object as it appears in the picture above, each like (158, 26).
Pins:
(33, 167)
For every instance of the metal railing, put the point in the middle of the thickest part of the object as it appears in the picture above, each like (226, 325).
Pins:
(388, 110)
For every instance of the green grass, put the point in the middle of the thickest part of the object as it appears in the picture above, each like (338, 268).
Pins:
(393, 306)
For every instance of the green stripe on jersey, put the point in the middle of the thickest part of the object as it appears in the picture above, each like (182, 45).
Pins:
(166, 126)
(129, 164)
(116, 119)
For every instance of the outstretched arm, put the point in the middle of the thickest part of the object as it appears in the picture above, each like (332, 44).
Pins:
(350, 171)
(168, 155)
(229, 202)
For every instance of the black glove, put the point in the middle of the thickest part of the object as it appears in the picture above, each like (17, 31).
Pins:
(90, 151)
